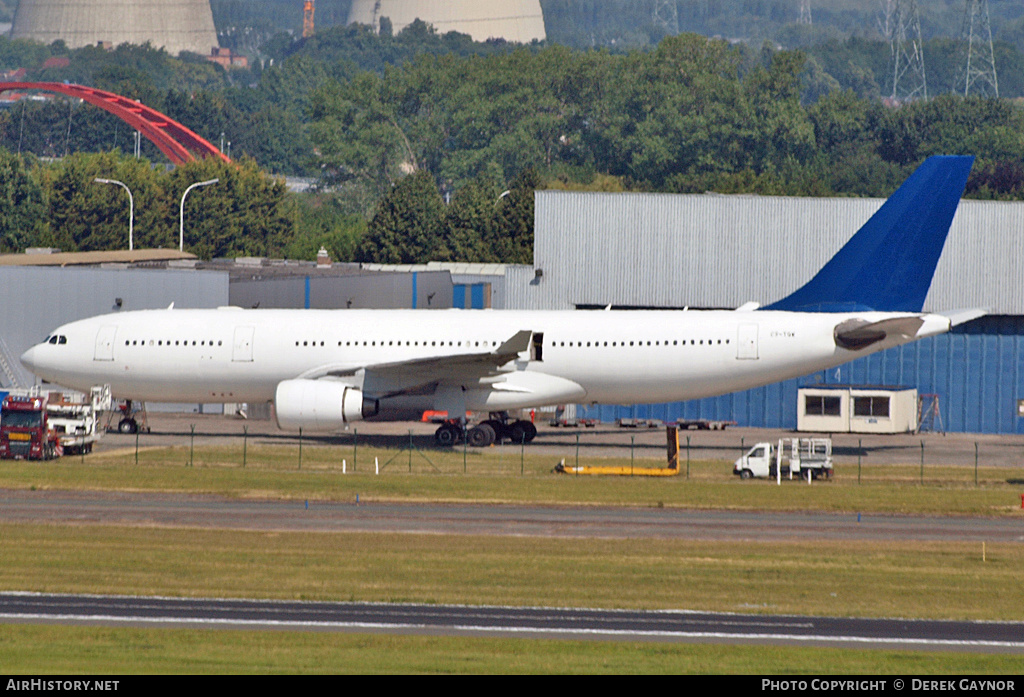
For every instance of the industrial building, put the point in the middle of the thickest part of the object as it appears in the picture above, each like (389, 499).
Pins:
(175, 25)
(520, 21)
(637, 250)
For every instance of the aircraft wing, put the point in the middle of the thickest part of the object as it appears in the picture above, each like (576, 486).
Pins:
(414, 376)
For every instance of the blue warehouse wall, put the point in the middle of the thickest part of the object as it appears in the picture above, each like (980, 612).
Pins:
(977, 371)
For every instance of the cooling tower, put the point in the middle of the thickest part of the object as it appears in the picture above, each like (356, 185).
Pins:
(176, 25)
(513, 20)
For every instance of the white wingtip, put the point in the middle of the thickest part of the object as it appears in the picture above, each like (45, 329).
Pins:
(956, 317)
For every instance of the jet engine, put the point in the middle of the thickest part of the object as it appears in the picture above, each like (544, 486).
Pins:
(320, 405)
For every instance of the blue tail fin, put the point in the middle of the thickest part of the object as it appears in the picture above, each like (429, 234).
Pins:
(888, 265)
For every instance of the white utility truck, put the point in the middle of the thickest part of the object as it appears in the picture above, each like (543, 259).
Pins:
(806, 458)
(76, 418)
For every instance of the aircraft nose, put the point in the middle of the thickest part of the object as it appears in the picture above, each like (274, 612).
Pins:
(30, 359)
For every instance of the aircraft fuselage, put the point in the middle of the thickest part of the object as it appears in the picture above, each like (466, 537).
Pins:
(619, 357)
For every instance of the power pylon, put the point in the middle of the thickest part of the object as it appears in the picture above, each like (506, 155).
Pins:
(977, 69)
(903, 29)
(666, 15)
(805, 12)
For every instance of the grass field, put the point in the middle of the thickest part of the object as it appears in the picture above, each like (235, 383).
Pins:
(931, 580)
(435, 475)
(44, 650)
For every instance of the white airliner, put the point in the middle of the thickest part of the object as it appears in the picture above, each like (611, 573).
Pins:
(323, 369)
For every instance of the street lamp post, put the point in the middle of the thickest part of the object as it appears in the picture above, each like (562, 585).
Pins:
(181, 216)
(131, 208)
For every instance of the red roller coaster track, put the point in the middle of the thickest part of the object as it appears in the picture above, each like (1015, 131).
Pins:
(178, 143)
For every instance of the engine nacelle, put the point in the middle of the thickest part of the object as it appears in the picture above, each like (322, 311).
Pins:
(320, 405)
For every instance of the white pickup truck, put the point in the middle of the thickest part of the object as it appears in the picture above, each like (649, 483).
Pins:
(806, 458)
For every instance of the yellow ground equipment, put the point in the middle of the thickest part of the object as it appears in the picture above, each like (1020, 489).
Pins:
(672, 436)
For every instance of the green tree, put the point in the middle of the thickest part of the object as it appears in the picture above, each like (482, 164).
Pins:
(406, 228)
(359, 134)
(246, 213)
(782, 127)
(681, 109)
(322, 221)
(470, 223)
(21, 205)
(513, 234)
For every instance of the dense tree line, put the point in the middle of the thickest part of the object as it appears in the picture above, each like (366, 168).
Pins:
(692, 115)
(413, 139)
(59, 204)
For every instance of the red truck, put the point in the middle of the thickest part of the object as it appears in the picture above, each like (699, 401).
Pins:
(25, 432)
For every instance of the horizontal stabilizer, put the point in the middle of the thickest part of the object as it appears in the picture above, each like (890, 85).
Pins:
(888, 265)
(857, 334)
(958, 317)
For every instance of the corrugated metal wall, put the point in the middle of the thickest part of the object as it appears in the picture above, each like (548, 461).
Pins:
(417, 289)
(977, 371)
(722, 251)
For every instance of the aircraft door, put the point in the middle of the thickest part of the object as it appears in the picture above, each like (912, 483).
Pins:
(241, 350)
(105, 343)
(746, 342)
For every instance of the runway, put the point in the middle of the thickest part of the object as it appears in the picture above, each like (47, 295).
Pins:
(185, 510)
(669, 626)
(205, 511)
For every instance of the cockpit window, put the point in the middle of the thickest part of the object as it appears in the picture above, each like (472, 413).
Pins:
(53, 339)
(62, 339)
(56, 339)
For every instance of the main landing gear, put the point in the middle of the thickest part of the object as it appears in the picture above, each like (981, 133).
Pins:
(497, 429)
